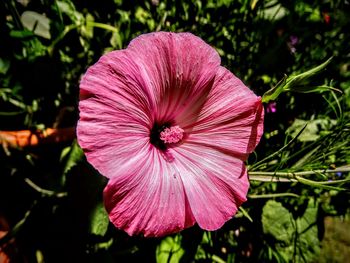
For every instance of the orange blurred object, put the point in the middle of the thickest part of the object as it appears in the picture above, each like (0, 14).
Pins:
(26, 138)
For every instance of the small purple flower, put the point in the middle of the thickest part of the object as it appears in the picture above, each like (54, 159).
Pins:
(271, 107)
(339, 174)
(293, 41)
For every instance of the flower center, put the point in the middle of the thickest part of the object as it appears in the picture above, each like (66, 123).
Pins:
(163, 135)
(172, 135)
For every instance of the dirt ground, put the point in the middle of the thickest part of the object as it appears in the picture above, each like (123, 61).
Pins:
(336, 243)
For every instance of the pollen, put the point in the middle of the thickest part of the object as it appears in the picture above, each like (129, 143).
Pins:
(173, 134)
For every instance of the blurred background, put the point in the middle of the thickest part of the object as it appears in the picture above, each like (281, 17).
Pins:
(51, 199)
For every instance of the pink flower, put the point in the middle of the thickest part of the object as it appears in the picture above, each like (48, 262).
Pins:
(271, 107)
(171, 129)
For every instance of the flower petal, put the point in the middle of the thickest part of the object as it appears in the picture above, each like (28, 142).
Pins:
(115, 80)
(231, 119)
(179, 68)
(148, 197)
(158, 76)
(216, 184)
(115, 117)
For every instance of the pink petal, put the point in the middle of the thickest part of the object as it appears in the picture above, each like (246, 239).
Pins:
(115, 80)
(115, 113)
(216, 184)
(148, 197)
(126, 91)
(179, 68)
(231, 119)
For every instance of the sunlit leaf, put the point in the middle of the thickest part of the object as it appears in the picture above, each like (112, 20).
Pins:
(71, 156)
(170, 250)
(99, 220)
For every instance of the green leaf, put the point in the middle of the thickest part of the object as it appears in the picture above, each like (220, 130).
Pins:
(4, 65)
(294, 239)
(275, 12)
(99, 220)
(68, 8)
(37, 23)
(313, 129)
(245, 214)
(277, 221)
(71, 156)
(170, 250)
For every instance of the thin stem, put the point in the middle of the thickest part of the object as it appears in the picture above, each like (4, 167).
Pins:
(66, 30)
(17, 227)
(302, 173)
(279, 151)
(273, 195)
(44, 191)
(271, 179)
(103, 26)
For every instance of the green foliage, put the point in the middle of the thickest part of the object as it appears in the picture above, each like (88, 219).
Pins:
(99, 220)
(170, 250)
(297, 83)
(292, 238)
(71, 156)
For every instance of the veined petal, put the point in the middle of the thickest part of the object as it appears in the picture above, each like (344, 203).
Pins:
(231, 119)
(148, 197)
(115, 112)
(178, 68)
(115, 80)
(216, 184)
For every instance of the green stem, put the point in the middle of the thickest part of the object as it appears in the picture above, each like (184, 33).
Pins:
(279, 151)
(43, 191)
(12, 233)
(103, 26)
(66, 30)
(302, 173)
(270, 179)
(298, 177)
(273, 195)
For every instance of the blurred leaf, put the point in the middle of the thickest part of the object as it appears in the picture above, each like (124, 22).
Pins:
(275, 12)
(87, 29)
(116, 40)
(99, 220)
(67, 7)
(4, 66)
(37, 23)
(313, 129)
(170, 250)
(21, 33)
(71, 156)
(253, 3)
